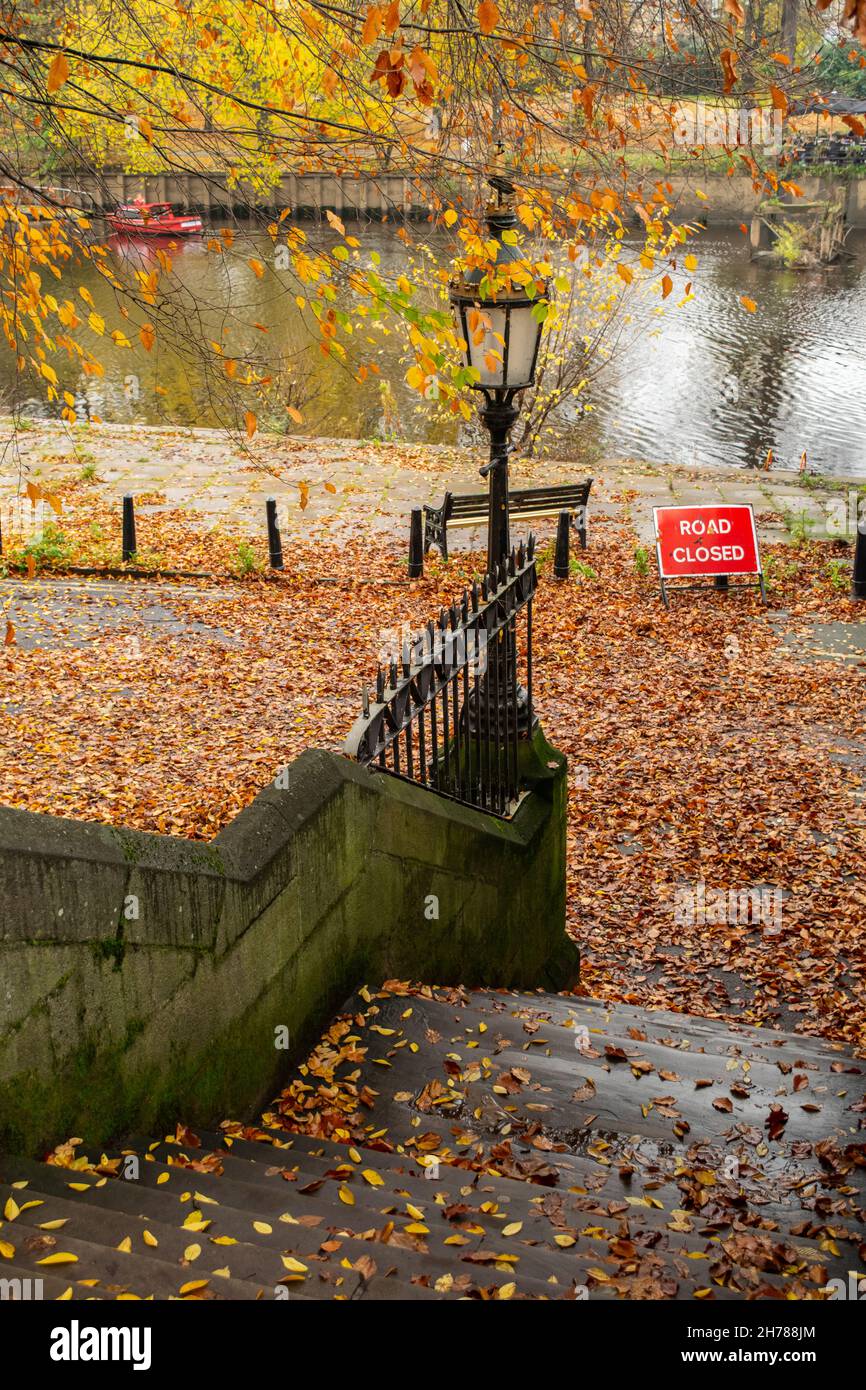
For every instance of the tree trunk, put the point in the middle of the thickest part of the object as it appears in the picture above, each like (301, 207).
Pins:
(790, 18)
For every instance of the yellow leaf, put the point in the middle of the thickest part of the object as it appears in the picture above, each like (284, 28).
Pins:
(11, 1209)
(125, 1245)
(60, 1258)
(374, 1179)
(192, 1252)
(223, 1240)
(417, 1228)
(294, 414)
(624, 272)
(62, 1297)
(564, 1241)
(194, 1286)
(7, 1250)
(263, 1228)
(691, 262)
(514, 1229)
(293, 1266)
(58, 72)
(84, 1186)
(507, 1290)
(450, 218)
(53, 1225)
(347, 1196)
(149, 1238)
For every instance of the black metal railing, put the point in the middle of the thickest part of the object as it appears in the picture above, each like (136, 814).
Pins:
(450, 711)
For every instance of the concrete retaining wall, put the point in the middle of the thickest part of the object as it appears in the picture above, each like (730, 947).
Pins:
(728, 200)
(142, 978)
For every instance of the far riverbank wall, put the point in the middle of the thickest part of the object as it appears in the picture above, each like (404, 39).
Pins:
(394, 196)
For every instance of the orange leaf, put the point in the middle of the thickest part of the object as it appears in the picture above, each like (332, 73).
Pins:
(304, 490)
(735, 10)
(9, 639)
(729, 61)
(372, 24)
(748, 303)
(58, 72)
(295, 414)
(667, 286)
(251, 423)
(488, 16)
(147, 336)
(780, 101)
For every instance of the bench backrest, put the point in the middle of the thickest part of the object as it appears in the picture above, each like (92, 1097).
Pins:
(523, 500)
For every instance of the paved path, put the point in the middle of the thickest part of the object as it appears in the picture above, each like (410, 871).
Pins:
(346, 485)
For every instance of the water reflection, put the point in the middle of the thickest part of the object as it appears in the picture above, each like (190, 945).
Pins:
(706, 383)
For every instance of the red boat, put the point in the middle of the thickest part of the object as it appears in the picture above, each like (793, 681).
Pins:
(153, 219)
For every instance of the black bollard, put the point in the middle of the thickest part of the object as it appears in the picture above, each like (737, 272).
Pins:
(858, 580)
(560, 558)
(416, 545)
(275, 545)
(128, 547)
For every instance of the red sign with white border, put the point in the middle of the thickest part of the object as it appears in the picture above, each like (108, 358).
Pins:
(694, 541)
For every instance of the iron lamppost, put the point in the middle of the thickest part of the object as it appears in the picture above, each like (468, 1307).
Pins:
(500, 331)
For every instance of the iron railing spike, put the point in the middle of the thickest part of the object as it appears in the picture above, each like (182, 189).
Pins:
(380, 684)
(366, 699)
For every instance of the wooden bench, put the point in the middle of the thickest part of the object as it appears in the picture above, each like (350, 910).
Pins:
(470, 509)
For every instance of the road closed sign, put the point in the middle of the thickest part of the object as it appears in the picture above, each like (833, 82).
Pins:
(706, 542)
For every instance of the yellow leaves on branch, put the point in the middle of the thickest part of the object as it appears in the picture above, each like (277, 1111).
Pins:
(57, 73)
(488, 16)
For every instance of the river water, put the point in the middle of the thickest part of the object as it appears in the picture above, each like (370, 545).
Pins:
(705, 383)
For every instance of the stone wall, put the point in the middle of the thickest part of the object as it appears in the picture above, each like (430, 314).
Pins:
(143, 978)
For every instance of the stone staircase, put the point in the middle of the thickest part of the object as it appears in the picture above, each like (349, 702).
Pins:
(445, 1144)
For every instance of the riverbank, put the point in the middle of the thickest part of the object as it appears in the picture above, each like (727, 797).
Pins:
(191, 484)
